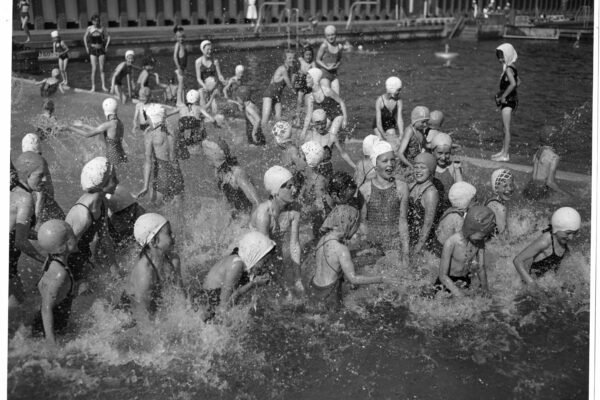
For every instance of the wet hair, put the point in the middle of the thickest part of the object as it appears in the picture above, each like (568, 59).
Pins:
(306, 48)
(177, 28)
(499, 54)
(95, 17)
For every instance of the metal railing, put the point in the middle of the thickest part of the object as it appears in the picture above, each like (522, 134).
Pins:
(262, 8)
(358, 3)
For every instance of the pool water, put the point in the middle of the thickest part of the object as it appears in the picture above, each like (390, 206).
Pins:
(389, 342)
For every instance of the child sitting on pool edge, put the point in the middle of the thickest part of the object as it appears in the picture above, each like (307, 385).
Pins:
(461, 249)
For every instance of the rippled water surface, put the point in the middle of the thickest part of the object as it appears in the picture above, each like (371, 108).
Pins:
(390, 342)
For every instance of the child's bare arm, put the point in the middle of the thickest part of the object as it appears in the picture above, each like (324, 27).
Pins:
(444, 270)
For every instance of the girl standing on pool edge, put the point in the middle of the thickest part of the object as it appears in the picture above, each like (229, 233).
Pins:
(507, 98)
(99, 41)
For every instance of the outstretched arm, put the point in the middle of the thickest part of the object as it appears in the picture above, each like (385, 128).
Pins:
(524, 259)
(444, 269)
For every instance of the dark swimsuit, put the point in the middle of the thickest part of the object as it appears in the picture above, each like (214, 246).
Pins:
(383, 214)
(550, 263)
(59, 48)
(48, 89)
(235, 196)
(205, 71)
(14, 254)
(122, 232)
(81, 259)
(415, 145)
(62, 310)
(115, 153)
(183, 62)
(512, 99)
(97, 42)
(330, 58)
(497, 200)
(274, 91)
(331, 107)
(325, 168)
(388, 118)
(327, 297)
(126, 70)
(416, 218)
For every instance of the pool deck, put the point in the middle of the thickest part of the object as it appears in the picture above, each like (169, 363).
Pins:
(160, 39)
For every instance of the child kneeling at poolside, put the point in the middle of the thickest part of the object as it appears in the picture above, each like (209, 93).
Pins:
(238, 272)
(332, 261)
(462, 248)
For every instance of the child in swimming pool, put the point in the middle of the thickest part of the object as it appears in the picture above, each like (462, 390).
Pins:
(273, 92)
(61, 50)
(388, 123)
(238, 273)
(124, 210)
(234, 82)
(545, 164)
(365, 170)
(50, 85)
(158, 266)
(413, 139)
(342, 189)
(290, 155)
(170, 93)
(147, 68)
(313, 195)
(253, 123)
(123, 70)
(329, 58)
(305, 62)
(547, 251)
(465, 249)
(57, 285)
(140, 119)
(434, 126)
(446, 171)
(503, 186)
(179, 51)
(461, 195)
(208, 96)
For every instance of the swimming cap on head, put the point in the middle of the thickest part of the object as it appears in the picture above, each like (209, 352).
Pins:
(315, 74)
(210, 83)
(239, 69)
(380, 147)
(155, 113)
(129, 53)
(54, 34)
(419, 113)
(275, 177)
(344, 219)
(431, 134)
(109, 106)
(214, 152)
(479, 219)
(120, 199)
(565, 219)
(318, 115)
(368, 143)
(428, 159)
(95, 174)
(499, 176)
(31, 142)
(144, 93)
(147, 226)
(329, 29)
(436, 118)
(252, 247)
(461, 194)
(509, 52)
(282, 130)
(313, 152)
(204, 44)
(441, 140)
(28, 162)
(54, 235)
(392, 84)
(192, 96)
(55, 72)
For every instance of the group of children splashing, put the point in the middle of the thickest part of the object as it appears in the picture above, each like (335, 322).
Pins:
(406, 196)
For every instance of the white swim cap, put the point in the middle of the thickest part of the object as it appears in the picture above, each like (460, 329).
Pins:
(95, 174)
(441, 139)
(315, 74)
(509, 52)
(461, 194)
(214, 152)
(54, 34)
(282, 130)
(329, 29)
(392, 84)
(380, 147)
(147, 226)
(129, 53)
(109, 106)
(210, 83)
(313, 152)
(55, 72)
(239, 69)
(436, 118)
(252, 247)
(275, 177)
(419, 113)
(368, 143)
(156, 113)
(31, 142)
(120, 199)
(318, 115)
(204, 44)
(500, 176)
(54, 235)
(192, 96)
(565, 219)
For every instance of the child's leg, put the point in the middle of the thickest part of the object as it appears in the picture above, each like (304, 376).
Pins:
(63, 70)
(335, 85)
(266, 113)
(25, 27)
(94, 62)
(506, 117)
(278, 111)
(299, 101)
(336, 124)
(102, 77)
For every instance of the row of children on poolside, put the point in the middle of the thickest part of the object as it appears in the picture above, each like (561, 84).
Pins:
(158, 265)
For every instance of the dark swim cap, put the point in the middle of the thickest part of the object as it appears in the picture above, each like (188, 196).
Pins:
(479, 219)
(28, 162)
